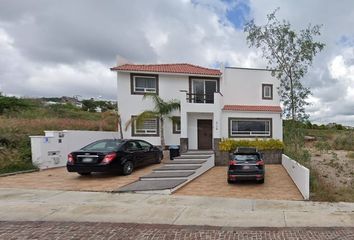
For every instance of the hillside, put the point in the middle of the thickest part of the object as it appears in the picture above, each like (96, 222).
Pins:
(20, 118)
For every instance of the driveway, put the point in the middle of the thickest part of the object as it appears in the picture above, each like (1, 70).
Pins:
(61, 179)
(278, 185)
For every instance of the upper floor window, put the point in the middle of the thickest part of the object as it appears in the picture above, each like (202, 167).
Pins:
(142, 84)
(176, 125)
(267, 91)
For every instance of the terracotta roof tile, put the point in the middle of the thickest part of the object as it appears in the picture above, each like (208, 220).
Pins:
(252, 108)
(183, 68)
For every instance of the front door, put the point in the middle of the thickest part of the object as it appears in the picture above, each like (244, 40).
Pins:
(205, 134)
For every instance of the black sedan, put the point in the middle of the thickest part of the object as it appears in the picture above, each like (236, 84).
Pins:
(246, 164)
(113, 155)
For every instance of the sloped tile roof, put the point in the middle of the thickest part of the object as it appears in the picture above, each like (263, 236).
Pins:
(252, 108)
(183, 68)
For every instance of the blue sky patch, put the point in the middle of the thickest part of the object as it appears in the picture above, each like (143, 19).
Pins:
(239, 13)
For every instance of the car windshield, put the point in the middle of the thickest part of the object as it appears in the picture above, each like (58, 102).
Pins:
(103, 146)
(246, 157)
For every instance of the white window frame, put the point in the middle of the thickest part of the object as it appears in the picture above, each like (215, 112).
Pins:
(270, 87)
(145, 90)
(146, 131)
(251, 134)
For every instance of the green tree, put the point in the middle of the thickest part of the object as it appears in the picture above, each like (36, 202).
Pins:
(162, 109)
(289, 54)
(8, 104)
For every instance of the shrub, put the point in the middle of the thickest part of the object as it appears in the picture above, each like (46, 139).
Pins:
(344, 141)
(230, 145)
(322, 146)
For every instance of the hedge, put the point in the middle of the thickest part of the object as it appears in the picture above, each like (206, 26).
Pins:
(230, 145)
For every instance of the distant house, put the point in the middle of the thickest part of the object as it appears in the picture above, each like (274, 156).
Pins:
(240, 103)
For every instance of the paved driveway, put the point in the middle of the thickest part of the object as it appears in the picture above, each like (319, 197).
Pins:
(277, 185)
(60, 179)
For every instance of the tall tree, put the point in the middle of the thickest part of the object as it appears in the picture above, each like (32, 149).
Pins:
(162, 109)
(289, 54)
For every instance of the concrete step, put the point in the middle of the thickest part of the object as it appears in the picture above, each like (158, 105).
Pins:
(168, 175)
(193, 157)
(185, 161)
(177, 167)
(152, 185)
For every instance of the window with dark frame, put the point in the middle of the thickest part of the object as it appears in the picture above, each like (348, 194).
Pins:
(176, 125)
(267, 91)
(142, 84)
(148, 127)
(249, 128)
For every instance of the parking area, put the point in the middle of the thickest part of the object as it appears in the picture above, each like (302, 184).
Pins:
(278, 185)
(60, 179)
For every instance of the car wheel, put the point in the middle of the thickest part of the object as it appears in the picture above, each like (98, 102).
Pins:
(84, 173)
(261, 181)
(159, 158)
(128, 168)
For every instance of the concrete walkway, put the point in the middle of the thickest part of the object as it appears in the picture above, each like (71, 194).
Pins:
(45, 205)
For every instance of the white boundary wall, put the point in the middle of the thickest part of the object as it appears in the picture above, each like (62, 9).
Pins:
(299, 174)
(51, 150)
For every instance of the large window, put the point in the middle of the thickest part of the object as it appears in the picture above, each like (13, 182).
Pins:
(203, 90)
(267, 91)
(142, 84)
(242, 127)
(176, 125)
(148, 127)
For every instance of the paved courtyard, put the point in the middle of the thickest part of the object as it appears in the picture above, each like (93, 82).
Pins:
(74, 230)
(61, 179)
(278, 185)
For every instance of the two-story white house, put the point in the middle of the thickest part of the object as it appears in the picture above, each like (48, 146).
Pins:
(215, 104)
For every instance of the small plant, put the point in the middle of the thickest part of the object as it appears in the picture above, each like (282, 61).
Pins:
(322, 146)
(350, 155)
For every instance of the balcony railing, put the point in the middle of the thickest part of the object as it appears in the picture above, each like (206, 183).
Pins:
(200, 98)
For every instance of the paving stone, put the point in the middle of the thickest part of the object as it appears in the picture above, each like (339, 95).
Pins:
(150, 185)
(167, 174)
(77, 230)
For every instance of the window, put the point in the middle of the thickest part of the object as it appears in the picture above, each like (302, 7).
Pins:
(202, 90)
(240, 127)
(176, 125)
(145, 145)
(267, 91)
(131, 146)
(148, 127)
(103, 145)
(142, 84)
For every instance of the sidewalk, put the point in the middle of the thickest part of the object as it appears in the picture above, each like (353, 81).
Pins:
(45, 205)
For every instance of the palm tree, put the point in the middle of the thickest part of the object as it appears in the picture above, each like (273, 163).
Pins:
(161, 110)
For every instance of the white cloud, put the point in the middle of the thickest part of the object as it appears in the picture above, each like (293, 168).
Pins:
(66, 48)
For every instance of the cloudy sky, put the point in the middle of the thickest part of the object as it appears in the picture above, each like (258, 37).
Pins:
(55, 48)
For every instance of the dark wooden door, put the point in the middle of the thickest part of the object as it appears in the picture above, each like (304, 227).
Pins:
(205, 134)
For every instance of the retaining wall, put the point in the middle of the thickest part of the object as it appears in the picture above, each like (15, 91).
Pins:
(52, 149)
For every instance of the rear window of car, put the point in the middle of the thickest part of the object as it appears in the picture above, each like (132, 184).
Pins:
(103, 145)
(246, 157)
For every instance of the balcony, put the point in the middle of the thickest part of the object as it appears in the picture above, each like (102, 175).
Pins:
(191, 102)
(200, 98)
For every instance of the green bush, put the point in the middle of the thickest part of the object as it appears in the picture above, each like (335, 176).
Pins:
(344, 141)
(230, 145)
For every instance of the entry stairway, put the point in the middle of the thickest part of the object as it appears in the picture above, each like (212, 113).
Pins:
(173, 174)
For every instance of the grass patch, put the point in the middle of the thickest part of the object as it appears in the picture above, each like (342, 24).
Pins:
(350, 155)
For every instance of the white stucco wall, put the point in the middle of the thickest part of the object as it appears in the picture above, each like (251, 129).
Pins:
(130, 104)
(299, 174)
(277, 128)
(244, 87)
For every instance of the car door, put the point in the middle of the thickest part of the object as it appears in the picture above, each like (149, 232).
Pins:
(134, 152)
(149, 156)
